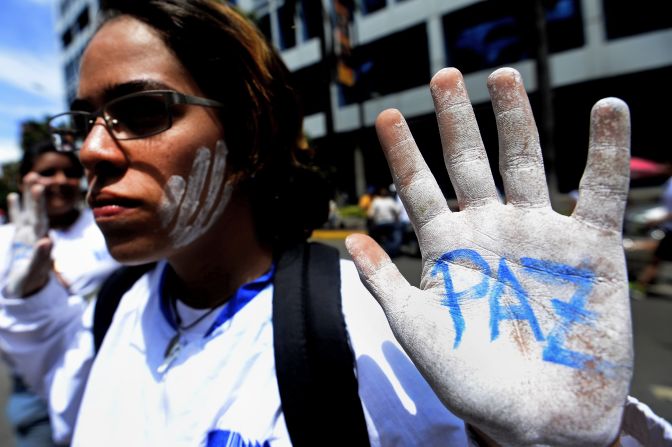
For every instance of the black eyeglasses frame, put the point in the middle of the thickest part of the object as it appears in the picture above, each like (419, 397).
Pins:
(170, 97)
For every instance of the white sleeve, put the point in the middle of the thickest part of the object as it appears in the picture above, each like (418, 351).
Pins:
(641, 426)
(47, 338)
(399, 406)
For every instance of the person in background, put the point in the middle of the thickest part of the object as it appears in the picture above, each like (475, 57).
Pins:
(80, 261)
(384, 214)
(364, 204)
(408, 243)
(663, 252)
(521, 326)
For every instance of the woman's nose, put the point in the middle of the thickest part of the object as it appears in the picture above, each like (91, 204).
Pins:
(100, 147)
(59, 177)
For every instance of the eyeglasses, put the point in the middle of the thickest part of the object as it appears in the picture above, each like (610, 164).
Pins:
(134, 116)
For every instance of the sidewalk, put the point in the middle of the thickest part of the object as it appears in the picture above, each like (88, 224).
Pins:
(330, 234)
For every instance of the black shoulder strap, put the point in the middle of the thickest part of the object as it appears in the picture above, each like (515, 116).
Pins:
(314, 362)
(109, 296)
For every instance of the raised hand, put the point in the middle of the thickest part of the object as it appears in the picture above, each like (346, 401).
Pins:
(521, 324)
(30, 261)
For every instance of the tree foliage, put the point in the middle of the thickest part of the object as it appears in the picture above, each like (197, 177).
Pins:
(33, 131)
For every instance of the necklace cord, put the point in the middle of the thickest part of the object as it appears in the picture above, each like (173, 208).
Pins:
(178, 319)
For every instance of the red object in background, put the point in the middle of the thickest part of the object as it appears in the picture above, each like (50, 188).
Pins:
(641, 167)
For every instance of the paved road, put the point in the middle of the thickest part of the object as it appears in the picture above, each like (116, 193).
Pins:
(652, 382)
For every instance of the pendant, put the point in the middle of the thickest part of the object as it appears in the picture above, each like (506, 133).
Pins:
(171, 353)
(172, 345)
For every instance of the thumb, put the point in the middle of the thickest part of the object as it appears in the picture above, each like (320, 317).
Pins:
(380, 276)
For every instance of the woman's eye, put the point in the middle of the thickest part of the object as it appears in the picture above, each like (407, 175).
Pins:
(47, 172)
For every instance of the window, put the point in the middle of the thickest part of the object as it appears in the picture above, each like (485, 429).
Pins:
(489, 34)
(392, 64)
(66, 38)
(369, 6)
(311, 16)
(625, 19)
(311, 83)
(83, 19)
(264, 24)
(286, 15)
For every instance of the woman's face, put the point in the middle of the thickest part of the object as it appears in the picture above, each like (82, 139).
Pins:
(60, 178)
(155, 195)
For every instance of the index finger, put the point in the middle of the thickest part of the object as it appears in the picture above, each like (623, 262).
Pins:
(13, 207)
(603, 190)
(36, 206)
(419, 192)
(30, 179)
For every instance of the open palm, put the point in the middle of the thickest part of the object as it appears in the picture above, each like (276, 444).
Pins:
(521, 324)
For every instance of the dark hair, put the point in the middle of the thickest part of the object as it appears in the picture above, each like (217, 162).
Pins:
(34, 152)
(231, 61)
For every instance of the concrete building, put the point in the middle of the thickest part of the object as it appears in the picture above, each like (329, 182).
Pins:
(352, 59)
(75, 25)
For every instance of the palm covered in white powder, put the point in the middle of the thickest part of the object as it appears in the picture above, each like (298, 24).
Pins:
(521, 324)
(30, 256)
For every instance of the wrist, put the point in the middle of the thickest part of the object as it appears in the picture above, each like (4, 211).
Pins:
(34, 286)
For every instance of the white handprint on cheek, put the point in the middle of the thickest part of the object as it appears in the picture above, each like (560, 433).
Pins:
(192, 205)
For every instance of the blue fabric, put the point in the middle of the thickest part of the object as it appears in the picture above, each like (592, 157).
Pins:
(29, 417)
(243, 295)
(225, 438)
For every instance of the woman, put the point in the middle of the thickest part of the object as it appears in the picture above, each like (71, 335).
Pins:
(80, 263)
(195, 185)
(189, 135)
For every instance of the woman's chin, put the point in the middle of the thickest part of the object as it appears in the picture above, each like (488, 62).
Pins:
(134, 250)
(56, 210)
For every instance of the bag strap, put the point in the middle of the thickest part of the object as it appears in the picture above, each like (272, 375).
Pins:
(109, 296)
(314, 362)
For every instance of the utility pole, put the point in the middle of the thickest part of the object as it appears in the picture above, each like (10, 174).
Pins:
(545, 92)
(532, 14)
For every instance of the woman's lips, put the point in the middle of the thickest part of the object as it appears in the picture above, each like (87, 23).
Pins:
(106, 207)
(107, 211)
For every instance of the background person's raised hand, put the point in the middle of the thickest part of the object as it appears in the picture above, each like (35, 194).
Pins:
(30, 261)
(521, 324)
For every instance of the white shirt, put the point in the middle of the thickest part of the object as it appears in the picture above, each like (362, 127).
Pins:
(83, 262)
(220, 388)
(384, 210)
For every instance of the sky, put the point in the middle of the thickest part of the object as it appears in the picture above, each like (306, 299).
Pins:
(31, 78)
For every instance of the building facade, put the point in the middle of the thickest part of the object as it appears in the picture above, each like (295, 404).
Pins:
(352, 59)
(75, 25)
